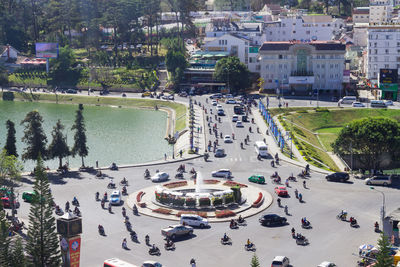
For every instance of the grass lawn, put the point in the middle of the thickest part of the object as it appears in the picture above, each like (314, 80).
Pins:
(180, 109)
(328, 135)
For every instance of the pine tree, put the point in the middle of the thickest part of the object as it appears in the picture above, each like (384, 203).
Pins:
(34, 136)
(80, 147)
(383, 258)
(4, 239)
(58, 147)
(10, 143)
(42, 244)
(254, 261)
(17, 257)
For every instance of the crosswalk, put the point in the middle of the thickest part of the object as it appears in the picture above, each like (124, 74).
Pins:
(233, 159)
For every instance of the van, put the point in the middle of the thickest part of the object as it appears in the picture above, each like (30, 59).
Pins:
(348, 100)
(379, 180)
(378, 104)
(261, 148)
(193, 220)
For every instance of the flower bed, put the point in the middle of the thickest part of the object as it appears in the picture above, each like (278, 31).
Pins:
(139, 196)
(178, 202)
(163, 211)
(231, 183)
(258, 201)
(224, 213)
(200, 213)
(211, 181)
(229, 199)
(175, 184)
(204, 202)
(217, 201)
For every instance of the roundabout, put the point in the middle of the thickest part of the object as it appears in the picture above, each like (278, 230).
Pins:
(216, 200)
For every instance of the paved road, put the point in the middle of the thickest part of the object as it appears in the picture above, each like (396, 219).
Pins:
(330, 239)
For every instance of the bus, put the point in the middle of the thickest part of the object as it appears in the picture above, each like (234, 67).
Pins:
(261, 148)
(114, 262)
(238, 110)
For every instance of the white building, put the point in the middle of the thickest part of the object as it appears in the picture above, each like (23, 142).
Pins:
(383, 49)
(241, 47)
(361, 15)
(7, 53)
(380, 11)
(301, 67)
(360, 34)
(311, 28)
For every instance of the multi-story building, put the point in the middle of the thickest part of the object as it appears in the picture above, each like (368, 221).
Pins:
(380, 11)
(311, 28)
(361, 15)
(238, 46)
(383, 49)
(302, 67)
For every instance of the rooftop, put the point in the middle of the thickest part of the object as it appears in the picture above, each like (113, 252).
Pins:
(319, 45)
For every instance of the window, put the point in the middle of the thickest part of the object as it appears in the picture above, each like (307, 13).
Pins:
(387, 59)
(375, 59)
(374, 75)
(386, 44)
(258, 67)
(280, 66)
(323, 56)
(280, 56)
(331, 76)
(336, 75)
(386, 66)
(267, 67)
(398, 66)
(317, 66)
(323, 66)
(375, 44)
(386, 51)
(307, 32)
(331, 66)
(294, 31)
(375, 66)
(375, 51)
(285, 66)
(336, 66)
(318, 56)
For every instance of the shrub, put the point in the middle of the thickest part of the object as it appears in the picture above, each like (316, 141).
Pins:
(139, 196)
(162, 211)
(258, 201)
(229, 199)
(302, 111)
(190, 202)
(211, 181)
(217, 201)
(204, 201)
(224, 213)
(175, 184)
(321, 110)
(164, 200)
(8, 96)
(231, 183)
(178, 201)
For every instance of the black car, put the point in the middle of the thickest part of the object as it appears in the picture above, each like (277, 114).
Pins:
(272, 219)
(338, 177)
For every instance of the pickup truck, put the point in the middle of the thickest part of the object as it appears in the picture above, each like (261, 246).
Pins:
(173, 231)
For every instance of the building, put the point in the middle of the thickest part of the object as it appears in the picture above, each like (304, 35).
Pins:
(380, 11)
(303, 67)
(238, 46)
(361, 15)
(383, 49)
(360, 34)
(391, 226)
(8, 53)
(311, 28)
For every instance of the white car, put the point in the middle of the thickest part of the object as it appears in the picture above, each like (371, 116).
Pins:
(389, 103)
(214, 103)
(231, 101)
(225, 173)
(326, 264)
(160, 177)
(227, 139)
(193, 220)
(358, 105)
(235, 118)
(280, 261)
(219, 107)
(239, 124)
(115, 197)
(151, 264)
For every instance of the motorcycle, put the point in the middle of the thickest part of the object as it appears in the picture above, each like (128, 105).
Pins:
(59, 211)
(226, 241)
(146, 175)
(272, 164)
(154, 251)
(292, 178)
(250, 247)
(97, 196)
(306, 225)
(124, 182)
(77, 212)
(134, 237)
(241, 222)
(179, 175)
(301, 240)
(114, 167)
(111, 185)
(353, 223)
(75, 202)
(101, 230)
(234, 226)
(276, 181)
(170, 246)
(341, 216)
(124, 191)
(192, 171)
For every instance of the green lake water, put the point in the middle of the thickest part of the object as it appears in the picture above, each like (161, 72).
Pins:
(120, 135)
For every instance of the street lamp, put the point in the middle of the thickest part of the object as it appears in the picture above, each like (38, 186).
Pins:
(383, 204)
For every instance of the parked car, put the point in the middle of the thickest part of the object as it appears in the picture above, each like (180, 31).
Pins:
(231, 101)
(378, 104)
(338, 177)
(389, 103)
(174, 231)
(357, 105)
(183, 94)
(280, 261)
(146, 94)
(72, 91)
(348, 100)
(227, 139)
(219, 152)
(160, 177)
(225, 173)
(326, 264)
(193, 220)
(281, 191)
(219, 106)
(259, 179)
(151, 264)
(7, 202)
(239, 124)
(216, 96)
(379, 180)
(27, 196)
(115, 197)
(171, 97)
(272, 219)
(245, 118)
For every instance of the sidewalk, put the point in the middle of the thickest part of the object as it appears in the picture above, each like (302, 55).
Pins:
(273, 147)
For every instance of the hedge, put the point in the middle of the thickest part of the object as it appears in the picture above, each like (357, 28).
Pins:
(228, 199)
(231, 183)
(162, 211)
(224, 213)
(217, 201)
(175, 184)
(190, 202)
(204, 202)
(178, 201)
(258, 201)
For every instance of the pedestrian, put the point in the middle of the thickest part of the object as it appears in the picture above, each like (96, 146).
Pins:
(300, 197)
(165, 156)
(201, 129)
(304, 184)
(97, 164)
(193, 262)
(287, 104)
(180, 153)
(287, 183)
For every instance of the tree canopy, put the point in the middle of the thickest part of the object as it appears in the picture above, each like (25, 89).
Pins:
(10, 146)
(64, 70)
(80, 148)
(231, 71)
(369, 138)
(34, 136)
(58, 147)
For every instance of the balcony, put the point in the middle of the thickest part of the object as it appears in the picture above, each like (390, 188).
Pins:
(301, 73)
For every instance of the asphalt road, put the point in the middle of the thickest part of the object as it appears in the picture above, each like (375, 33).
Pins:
(330, 239)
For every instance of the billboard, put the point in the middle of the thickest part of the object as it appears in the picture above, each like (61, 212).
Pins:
(388, 76)
(346, 76)
(46, 50)
(301, 79)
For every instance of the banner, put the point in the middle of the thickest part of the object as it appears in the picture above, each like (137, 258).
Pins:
(74, 251)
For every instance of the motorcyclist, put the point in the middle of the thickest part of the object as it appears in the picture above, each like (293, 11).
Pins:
(233, 223)
(75, 201)
(97, 196)
(343, 215)
(147, 173)
(272, 164)
(225, 238)
(248, 243)
(376, 225)
(124, 243)
(77, 211)
(67, 206)
(240, 219)
(147, 238)
(153, 248)
(101, 229)
(123, 211)
(124, 190)
(293, 232)
(105, 196)
(124, 181)
(353, 221)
